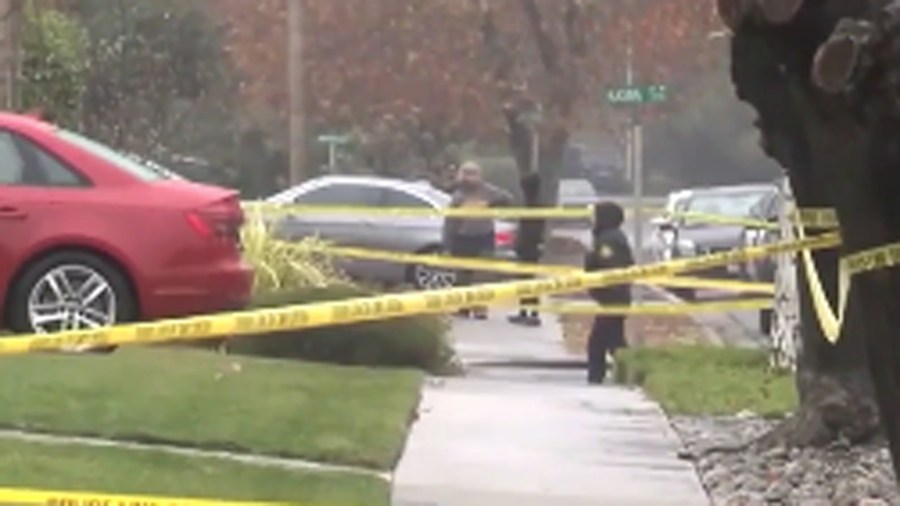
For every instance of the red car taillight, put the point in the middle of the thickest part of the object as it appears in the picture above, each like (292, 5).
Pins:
(220, 220)
(504, 238)
(199, 224)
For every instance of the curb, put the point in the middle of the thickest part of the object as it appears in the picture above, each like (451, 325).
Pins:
(251, 459)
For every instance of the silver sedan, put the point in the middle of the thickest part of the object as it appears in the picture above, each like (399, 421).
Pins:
(404, 234)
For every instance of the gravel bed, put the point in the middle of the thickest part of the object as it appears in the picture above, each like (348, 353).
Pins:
(839, 475)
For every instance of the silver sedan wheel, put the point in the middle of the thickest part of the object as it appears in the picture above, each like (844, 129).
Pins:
(433, 278)
(71, 297)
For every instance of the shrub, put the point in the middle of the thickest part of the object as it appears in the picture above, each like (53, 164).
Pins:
(280, 265)
(291, 273)
(416, 341)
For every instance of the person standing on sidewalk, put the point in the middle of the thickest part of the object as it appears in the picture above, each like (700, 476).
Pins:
(610, 251)
(472, 237)
(529, 246)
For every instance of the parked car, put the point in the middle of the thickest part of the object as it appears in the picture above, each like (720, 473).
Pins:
(153, 165)
(90, 237)
(576, 193)
(678, 236)
(601, 164)
(405, 234)
(664, 235)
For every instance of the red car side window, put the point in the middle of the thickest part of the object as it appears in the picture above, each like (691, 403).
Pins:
(12, 165)
(23, 163)
(52, 172)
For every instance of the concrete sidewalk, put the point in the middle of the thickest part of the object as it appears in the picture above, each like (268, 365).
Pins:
(504, 436)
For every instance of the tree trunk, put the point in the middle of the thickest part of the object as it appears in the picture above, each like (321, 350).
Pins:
(550, 151)
(850, 113)
(551, 167)
(835, 391)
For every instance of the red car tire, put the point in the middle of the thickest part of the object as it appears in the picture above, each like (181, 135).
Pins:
(126, 305)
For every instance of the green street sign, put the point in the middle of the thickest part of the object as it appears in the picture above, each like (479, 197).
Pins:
(636, 95)
(334, 139)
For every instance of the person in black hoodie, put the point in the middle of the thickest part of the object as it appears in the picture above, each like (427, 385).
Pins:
(610, 251)
(529, 245)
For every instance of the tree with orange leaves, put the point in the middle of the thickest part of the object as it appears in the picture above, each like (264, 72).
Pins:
(436, 73)
(562, 55)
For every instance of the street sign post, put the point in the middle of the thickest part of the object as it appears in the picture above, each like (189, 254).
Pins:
(333, 141)
(635, 97)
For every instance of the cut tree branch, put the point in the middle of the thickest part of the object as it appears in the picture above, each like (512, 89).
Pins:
(779, 12)
(575, 35)
(835, 63)
(734, 12)
(776, 12)
(840, 58)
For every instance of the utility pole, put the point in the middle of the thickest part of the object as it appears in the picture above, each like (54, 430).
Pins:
(10, 53)
(536, 142)
(635, 96)
(296, 92)
(636, 158)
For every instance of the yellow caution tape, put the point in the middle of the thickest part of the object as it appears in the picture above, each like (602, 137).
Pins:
(882, 257)
(831, 319)
(382, 306)
(22, 497)
(507, 267)
(714, 284)
(693, 218)
(818, 218)
(588, 308)
(450, 262)
(812, 218)
(456, 212)
(500, 213)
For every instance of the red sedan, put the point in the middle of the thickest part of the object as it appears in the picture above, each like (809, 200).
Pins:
(90, 237)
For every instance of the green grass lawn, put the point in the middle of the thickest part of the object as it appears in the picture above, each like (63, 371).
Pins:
(325, 413)
(128, 472)
(695, 380)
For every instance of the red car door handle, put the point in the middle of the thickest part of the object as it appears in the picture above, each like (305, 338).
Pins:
(11, 213)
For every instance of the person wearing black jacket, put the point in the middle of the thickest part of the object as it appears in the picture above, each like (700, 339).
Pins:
(610, 251)
(472, 237)
(529, 243)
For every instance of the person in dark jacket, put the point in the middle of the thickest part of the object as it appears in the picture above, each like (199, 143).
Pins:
(529, 245)
(472, 237)
(610, 251)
